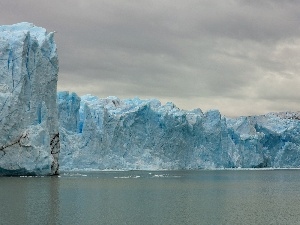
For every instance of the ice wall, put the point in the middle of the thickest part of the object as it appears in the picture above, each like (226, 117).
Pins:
(140, 134)
(29, 139)
(143, 134)
(271, 140)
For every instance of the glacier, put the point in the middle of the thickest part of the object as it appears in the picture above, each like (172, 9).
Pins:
(29, 139)
(42, 130)
(135, 134)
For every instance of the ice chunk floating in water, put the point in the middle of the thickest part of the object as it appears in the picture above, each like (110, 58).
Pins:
(29, 139)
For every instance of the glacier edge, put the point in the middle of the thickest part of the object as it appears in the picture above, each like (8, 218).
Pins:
(29, 140)
(134, 134)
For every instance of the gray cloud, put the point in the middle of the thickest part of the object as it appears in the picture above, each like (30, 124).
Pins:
(238, 56)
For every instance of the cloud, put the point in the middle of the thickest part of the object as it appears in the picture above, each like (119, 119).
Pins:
(238, 56)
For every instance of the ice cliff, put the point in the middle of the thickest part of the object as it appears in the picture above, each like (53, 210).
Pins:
(29, 139)
(143, 134)
(94, 133)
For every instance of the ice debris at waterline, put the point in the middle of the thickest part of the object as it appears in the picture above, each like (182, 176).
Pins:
(29, 139)
(143, 134)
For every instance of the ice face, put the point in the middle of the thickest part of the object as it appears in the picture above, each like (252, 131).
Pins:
(29, 139)
(143, 134)
(111, 133)
(270, 140)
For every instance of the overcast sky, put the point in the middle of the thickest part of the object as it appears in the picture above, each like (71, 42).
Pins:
(241, 57)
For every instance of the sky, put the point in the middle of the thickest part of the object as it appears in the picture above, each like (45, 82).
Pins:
(239, 56)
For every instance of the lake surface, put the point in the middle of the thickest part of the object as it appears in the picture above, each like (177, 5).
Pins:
(153, 197)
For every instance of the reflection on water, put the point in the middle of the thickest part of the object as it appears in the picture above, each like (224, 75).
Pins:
(143, 197)
(29, 200)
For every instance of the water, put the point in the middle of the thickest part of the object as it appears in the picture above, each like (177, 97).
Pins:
(144, 197)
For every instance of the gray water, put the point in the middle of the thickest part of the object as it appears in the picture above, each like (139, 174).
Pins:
(144, 197)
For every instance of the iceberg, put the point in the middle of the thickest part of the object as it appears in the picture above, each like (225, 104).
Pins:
(29, 139)
(135, 134)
